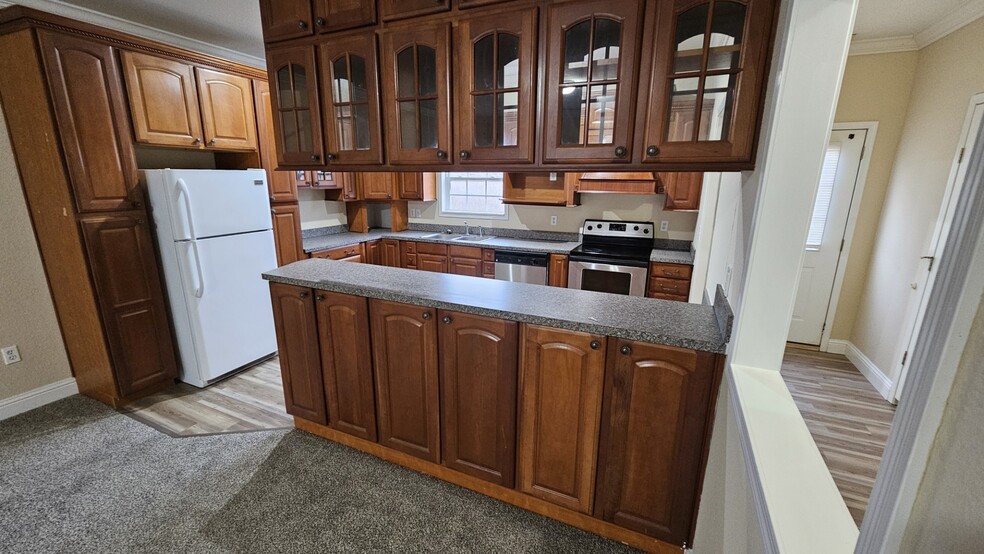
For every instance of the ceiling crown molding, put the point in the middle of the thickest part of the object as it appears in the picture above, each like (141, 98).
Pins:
(968, 13)
(93, 17)
(885, 45)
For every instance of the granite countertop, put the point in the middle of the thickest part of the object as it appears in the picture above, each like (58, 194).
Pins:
(696, 326)
(347, 238)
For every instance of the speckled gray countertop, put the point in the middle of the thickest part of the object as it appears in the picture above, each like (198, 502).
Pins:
(680, 324)
(672, 256)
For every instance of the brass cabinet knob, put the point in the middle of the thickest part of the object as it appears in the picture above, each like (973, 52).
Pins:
(447, 319)
(652, 150)
(427, 315)
(621, 151)
(442, 155)
(595, 345)
(302, 24)
(625, 350)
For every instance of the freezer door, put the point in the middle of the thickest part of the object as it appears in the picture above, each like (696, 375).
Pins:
(228, 303)
(212, 203)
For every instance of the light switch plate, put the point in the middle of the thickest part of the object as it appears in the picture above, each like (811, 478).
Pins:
(10, 355)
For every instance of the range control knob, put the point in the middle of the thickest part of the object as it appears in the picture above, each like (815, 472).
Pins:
(636, 228)
(646, 231)
(590, 227)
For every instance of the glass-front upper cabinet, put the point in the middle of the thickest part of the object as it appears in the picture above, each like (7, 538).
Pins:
(351, 100)
(296, 114)
(416, 95)
(496, 96)
(708, 72)
(591, 80)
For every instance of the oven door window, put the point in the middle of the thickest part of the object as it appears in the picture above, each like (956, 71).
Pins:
(606, 281)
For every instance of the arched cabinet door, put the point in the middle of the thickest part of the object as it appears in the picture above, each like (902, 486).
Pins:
(416, 95)
(590, 89)
(296, 111)
(351, 100)
(707, 80)
(496, 92)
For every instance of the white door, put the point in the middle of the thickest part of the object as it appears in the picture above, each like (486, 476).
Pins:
(826, 237)
(212, 203)
(927, 272)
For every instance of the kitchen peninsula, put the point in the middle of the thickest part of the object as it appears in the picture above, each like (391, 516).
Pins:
(589, 408)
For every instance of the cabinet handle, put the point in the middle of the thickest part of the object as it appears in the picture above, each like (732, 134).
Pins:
(273, 211)
(447, 319)
(137, 204)
(667, 289)
(198, 140)
(140, 221)
(442, 155)
(427, 315)
(272, 198)
(389, 196)
(595, 345)
(331, 157)
(305, 294)
(652, 150)
(211, 142)
(320, 22)
(319, 297)
(625, 350)
(315, 157)
(302, 24)
(464, 154)
(621, 151)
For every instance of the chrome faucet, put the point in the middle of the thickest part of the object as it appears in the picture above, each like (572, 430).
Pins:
(481, 231)
(467, 229)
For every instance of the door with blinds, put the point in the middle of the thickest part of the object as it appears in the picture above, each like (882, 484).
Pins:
(825, 240)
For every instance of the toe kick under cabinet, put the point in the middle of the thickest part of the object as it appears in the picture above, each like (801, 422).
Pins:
(602, 433)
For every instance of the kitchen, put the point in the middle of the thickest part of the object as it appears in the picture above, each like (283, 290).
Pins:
(359, 169)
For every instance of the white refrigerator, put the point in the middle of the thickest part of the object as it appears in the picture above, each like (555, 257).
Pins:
(216, 238)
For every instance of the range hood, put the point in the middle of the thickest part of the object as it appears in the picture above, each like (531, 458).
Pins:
(616, 183)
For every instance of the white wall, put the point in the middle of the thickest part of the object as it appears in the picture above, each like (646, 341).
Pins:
(316, 212)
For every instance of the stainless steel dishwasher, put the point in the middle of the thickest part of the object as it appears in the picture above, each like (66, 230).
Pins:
(521, 267)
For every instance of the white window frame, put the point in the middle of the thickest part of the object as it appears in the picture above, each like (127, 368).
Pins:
(444, 193)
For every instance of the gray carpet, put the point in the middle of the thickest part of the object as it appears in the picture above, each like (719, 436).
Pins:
(76, 476)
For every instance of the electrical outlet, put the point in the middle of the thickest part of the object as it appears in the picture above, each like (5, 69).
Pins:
(664, 226)
(10, 355)
(553, 220)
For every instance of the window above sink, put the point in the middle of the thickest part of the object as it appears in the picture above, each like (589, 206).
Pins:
(472, 194)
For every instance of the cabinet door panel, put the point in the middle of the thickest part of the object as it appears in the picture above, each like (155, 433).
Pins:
(346, 360)
(227, 110)
(87, 93)
(416, 95)
(124, 269)
(682, 190)
(283, 187)
(287, 233)
(400, 9)
(706, 88)
(561, 380)
(376, 186)
(478, 384)
(163, 100)
(300, 361)
(404, 347)
(558, 271)
(496, 59)
(335, 15)
(390, 253)
(296, 111)
(351, 100)
(285, 19)
(592, 49)
(435, 263)
(652, 438)
(465, 266)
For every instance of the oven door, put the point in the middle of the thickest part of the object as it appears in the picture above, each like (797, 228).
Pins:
(602, 277)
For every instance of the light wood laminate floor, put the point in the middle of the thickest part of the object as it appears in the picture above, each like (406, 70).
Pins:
(847, 417)
(252, 400)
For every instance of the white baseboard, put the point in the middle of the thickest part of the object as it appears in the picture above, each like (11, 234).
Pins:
(38, 397)
(871, 372)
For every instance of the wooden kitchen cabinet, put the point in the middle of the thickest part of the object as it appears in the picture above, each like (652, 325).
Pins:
(390, 254)
(351, 99)
(287, 233)
(465, 260)
(346, 362)
(131, 299)
(653, 432)
(337, 15)
(376, 186)
(297, 117)
(227, 110)
(496, 87)
(404, 348)
(478, 395)
(682, 190)
(590, 74)
(285, 19)
(282, 184)
(557, 273)
(90, 108)
(351, 253)
(708, 78)
(163, 100)
(417, 186)
(669, 281)
(560, 387)
(295, 319)
(416, 93)
(401, 9)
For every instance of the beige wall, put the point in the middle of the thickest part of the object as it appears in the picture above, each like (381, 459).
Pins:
(316, 212)
(948, 73)
(946, 516)
(876, 88)
(27, 314)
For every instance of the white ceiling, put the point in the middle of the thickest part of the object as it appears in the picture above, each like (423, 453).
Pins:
(921, 21)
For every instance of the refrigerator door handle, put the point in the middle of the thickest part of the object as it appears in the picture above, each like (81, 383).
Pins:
(200, 285)
(183, 191)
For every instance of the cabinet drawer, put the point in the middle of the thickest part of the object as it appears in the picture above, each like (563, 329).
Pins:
(469, 252)
(488, 270)
(671, 271)
(411, 246)
(669, 286)
(339, 253)
(674, 297)
(412, 261)
(488, 255)
(432, 248)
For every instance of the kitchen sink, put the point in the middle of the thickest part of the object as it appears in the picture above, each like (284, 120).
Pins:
(472, 238)
(435, 236)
